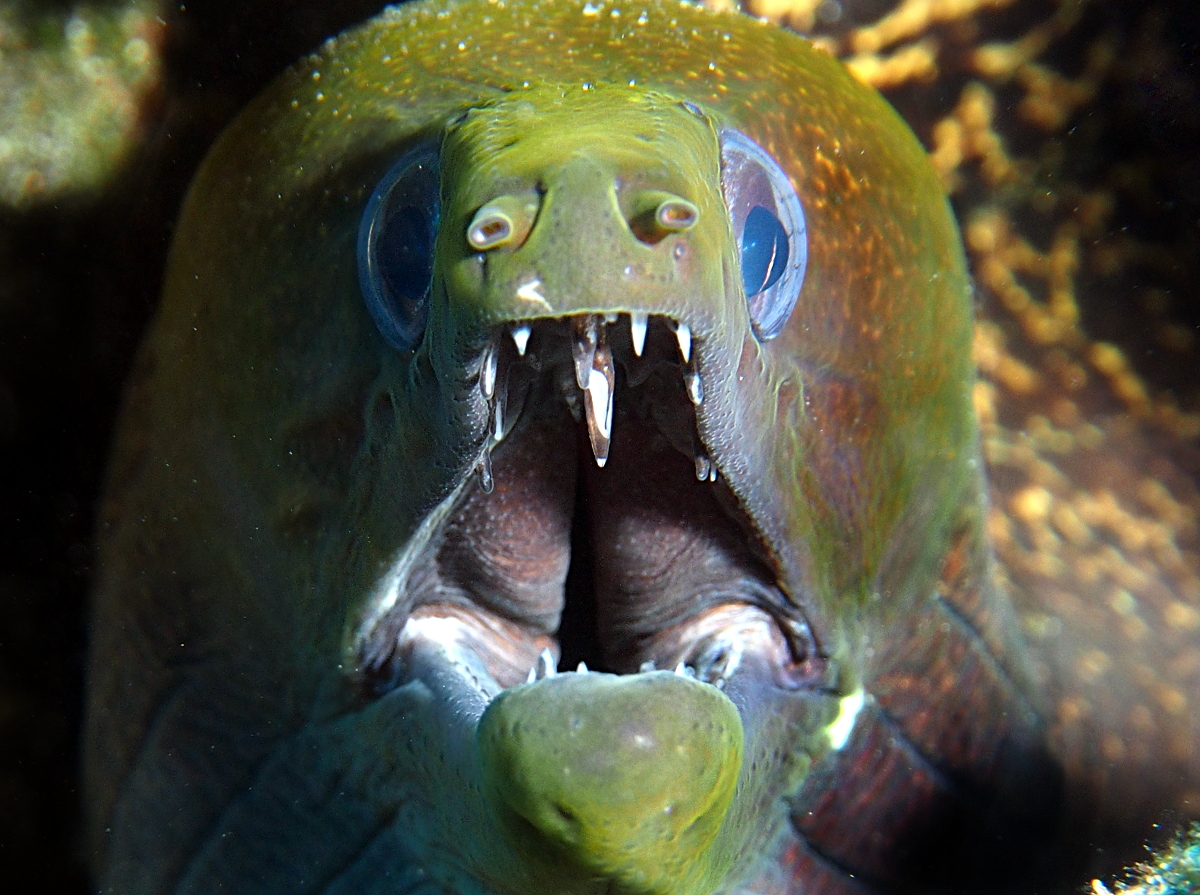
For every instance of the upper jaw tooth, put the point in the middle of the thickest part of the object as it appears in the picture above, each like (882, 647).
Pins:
(520, 337)
(487, 372)
(638, 323)
(583, 349)
(598, 405)
(683, 335)
(694, 386)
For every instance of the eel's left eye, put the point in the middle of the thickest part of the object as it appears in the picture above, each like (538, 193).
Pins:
(768, 222)
(395, 247)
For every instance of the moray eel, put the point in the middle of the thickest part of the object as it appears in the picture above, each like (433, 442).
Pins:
(553, 469)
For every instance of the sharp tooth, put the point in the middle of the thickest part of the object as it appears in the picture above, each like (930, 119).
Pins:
(485, 472)
(520, 337)
(546, 666)
(694, 386)
(582, 669)
(487, 372)
(683, 335)
(583, 350)
(703, 466)
(638, 321)
(712, 474)
(680, 669)
(532, 676)
(598, 404)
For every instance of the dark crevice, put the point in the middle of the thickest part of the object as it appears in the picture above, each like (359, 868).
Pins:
(578, 637)
(854, 877)
(952, 784)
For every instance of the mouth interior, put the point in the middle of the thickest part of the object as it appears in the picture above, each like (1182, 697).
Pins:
(597, 529)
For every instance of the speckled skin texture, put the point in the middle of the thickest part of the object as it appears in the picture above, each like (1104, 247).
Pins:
(276, 453)
(1078, 239)
(79, 283)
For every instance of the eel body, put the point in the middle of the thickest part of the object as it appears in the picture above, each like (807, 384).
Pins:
(502, 341)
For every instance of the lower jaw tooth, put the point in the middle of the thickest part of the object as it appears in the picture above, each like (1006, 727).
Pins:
(685, 671)
(546, 666)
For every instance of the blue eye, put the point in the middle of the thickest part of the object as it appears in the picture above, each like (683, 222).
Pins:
(395, 248)
(768, 221)
(764, 251)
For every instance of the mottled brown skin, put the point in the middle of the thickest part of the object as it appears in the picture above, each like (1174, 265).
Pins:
(1057, 131)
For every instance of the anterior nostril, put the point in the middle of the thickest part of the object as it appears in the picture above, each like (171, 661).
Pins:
(658, 214)
(676, 215)
(491, 231)
(506, 220)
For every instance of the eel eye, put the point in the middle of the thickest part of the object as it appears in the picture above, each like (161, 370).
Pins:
(395, 247)
(769, 223)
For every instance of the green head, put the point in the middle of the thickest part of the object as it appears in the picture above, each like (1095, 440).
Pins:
(535, 332)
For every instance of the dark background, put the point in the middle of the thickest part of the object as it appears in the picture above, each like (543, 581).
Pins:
(79, 281)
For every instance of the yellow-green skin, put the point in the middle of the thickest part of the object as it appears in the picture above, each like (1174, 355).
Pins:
(277, 454)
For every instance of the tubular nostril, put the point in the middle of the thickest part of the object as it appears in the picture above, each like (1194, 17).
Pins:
(506, 220)
(676, 214)
(490, 231)
(658, 214)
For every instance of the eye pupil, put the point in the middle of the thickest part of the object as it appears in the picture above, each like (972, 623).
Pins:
(405, 251)
(765, 209)
(764, 251)
(395, 248)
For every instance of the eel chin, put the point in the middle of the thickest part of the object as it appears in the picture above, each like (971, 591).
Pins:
(594, 602)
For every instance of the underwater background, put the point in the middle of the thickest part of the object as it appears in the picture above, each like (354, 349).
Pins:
(1067, 133)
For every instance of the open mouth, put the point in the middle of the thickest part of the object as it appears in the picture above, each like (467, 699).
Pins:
(597, 531)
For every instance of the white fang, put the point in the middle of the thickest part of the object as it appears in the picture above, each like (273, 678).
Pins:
(638, 322)
(545, 664)
(487, 372)
(598, 402)
(520, 337)
(683, 335)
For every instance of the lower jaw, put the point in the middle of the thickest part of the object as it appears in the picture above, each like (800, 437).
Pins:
(782, 729)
